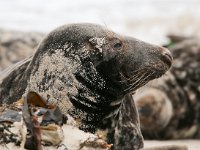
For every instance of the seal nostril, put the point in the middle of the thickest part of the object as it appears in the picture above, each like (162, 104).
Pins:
(167, 58)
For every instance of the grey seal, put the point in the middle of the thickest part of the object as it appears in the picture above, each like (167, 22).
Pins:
(90, 73)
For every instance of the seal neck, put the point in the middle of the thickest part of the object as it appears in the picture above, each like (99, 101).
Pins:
(96, 101)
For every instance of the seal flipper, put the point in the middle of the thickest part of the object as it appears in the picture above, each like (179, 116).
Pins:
(12, 83)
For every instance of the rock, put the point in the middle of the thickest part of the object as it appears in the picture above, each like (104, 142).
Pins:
(15, 46)
(31, 123)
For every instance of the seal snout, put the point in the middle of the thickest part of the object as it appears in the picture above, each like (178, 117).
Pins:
(166, 56)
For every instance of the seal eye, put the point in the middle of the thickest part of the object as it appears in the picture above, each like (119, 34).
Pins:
(118, 45)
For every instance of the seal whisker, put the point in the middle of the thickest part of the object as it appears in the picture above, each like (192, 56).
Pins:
(143, 70)
(143, 81)
(136, 76)
(134, 83)
(139, 71)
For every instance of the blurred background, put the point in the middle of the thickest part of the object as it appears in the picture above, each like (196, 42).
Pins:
(150, 20)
